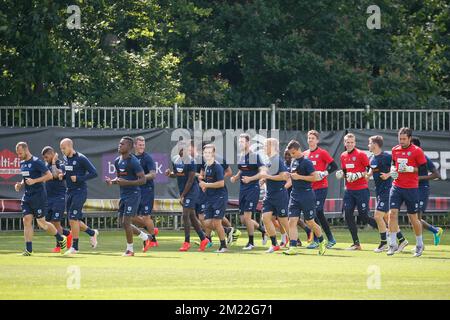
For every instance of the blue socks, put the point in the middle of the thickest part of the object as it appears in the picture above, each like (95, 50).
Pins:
(75, 244)
(433, 229)
(90, 232)
(29, 246)
(58, 237)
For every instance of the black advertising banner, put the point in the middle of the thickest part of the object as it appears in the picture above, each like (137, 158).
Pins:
(100, 146)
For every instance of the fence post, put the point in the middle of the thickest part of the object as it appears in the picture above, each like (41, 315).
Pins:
(72, 111)
(273, 116)
(175, 116)
(367, 116)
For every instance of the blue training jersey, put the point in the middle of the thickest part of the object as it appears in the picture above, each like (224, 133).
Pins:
(214, 173)
(32, 169)
(249, 166)
(78, 165)
(381, 164)
(275, 166)
(148, 165)
(182, 168)
(304, 167)
(128, 169)
(56, 188)
(430, 167)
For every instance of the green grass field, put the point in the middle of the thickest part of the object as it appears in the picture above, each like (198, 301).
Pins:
(165, 273)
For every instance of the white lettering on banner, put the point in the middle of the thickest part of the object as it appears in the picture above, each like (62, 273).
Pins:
(111, 168)
(158, 167)
(445, 164)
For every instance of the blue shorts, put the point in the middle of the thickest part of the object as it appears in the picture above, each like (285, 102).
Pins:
(146, 204)
(424, 195)
(321, 196)
(357, 199)
(248, 199)
(383, 201)
(35, 204)
(56, 208)
(190, 200)
(129, 204)
(277, 203)
(303, 203)
(215, 208)
(409, 196)
(201, 203)
(75, 203)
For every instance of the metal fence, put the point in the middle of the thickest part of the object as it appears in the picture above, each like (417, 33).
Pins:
(302, 119)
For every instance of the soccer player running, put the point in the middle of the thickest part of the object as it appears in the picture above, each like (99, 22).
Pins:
(143, 218)
(213, 185)
(77, 171)
(130, 176)
(302, 199)
(275, 202)
(424, 193)
(56, 195)
(301, 223)
(380, 167)
(354, 165)
(232, 234)
(184, 170)
(324, 165)
(407, 159)
(249, 165)
(34, 200)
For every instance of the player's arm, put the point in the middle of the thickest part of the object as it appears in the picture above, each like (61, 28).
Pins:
(45, 177)
(89, 167)
(189, 183)
(236, 177)
(151, 169)
(282, 176)
(433, 176)
(434, 172)
(228, 172)
(131, 183)
(19, 185)
(256, 177)
(331, 167)
(213, 185)
(288, 182)
(314, 176)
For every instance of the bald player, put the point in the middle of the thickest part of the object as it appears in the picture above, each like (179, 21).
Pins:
(78, 170)
(34, 201)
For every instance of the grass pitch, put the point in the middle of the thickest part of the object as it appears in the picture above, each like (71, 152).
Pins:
(165, 273)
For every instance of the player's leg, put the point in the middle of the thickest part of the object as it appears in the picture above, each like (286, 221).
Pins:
(308, 205)
(382, 228)
(28, 232)
(412, 207)
(270, 229)
(284, 229)
(246, 218)
(309, 233)
(75, 202)
(321, 196)
(424, 194)
(294, 212)
(363, 199)
(349, 209)
(217, 225)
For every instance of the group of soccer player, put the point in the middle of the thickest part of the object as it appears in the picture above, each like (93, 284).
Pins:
(296, 187)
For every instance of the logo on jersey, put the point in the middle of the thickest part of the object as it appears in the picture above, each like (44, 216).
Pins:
(354, 158)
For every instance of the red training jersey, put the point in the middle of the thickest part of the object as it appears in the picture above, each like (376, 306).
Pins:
(412, 156)
(355, 161)
(320, 159)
